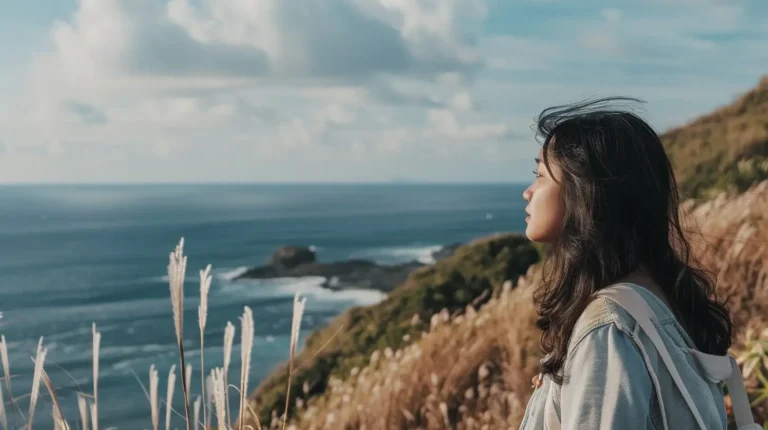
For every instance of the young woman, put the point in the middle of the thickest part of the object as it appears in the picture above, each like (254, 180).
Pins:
(605, 200)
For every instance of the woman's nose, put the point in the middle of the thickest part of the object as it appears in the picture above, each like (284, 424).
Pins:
(527, 194)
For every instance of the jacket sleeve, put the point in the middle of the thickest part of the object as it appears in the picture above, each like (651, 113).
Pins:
(606, 384)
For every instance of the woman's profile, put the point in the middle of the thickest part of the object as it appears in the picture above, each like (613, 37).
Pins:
(605, 201)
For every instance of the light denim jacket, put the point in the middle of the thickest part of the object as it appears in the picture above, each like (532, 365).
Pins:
(607, 384)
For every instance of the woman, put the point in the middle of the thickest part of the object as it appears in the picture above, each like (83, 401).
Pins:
(605, 201)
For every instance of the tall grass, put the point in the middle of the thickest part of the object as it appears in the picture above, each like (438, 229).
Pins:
(214, 386)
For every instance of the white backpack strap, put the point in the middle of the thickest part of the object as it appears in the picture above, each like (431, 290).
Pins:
(742, 411)
(725, 368)
(639, 309)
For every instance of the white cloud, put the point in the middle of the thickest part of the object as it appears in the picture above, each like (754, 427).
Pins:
(461, 101)
(340, 115)
(161, 148)
(443, 121)
(281, 39)
(388, 91)
(445, 124)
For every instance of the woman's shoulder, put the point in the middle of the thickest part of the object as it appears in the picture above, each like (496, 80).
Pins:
(603, 311)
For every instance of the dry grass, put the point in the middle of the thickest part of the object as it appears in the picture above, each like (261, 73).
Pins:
(470, 371)
(731, 240)
(473, 371)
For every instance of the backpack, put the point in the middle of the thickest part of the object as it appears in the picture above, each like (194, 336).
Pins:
(725, 365)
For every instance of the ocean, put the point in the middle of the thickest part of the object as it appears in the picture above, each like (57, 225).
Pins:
(73, 255)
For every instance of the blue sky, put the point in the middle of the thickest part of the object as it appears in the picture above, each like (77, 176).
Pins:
(344, 90)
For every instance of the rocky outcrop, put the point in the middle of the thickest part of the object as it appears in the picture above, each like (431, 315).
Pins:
(288, 257)
(297, 261)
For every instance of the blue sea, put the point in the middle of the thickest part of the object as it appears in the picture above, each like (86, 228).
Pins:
(73, 255)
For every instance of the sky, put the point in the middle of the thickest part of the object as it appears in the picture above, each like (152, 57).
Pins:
(116, 91)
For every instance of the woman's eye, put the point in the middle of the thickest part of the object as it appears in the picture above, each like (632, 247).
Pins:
(536, 174)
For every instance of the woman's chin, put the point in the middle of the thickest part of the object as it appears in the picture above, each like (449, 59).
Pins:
(530, 233)
(536, 236)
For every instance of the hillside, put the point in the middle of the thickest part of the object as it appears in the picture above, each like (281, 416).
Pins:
(468, 277)
(474, 370)
(726, 150)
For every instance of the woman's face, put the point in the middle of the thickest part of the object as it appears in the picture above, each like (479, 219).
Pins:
(546, 207)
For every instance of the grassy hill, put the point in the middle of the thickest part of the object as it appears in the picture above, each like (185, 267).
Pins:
(726, 150)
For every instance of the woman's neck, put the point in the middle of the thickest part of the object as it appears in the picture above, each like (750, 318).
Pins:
(642, 278)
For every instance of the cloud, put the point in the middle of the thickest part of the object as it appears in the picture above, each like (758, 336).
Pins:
(655, 34)
(336, 114)
(389, 93)
(352, 89)
(161, 148)
(342, 40)
(633, 43)
(445, 123)
(87, 113)
(462, 101)
(196, 111)
(137, 38)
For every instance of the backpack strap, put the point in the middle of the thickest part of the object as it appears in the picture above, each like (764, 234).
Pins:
(639, 309)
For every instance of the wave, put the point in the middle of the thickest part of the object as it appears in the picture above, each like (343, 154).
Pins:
(312, 287)
(193, 277)
(400, 254)
(230, 274)
(309, 286)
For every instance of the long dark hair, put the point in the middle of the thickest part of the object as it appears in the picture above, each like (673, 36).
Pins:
(621, 214)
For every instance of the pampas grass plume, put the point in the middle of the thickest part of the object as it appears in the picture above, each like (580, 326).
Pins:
(153, 383)
(95, 352)
(196, 414)
(229, 337)
(219, 398)
(169, 396)
(177, 266)
(246, 343)
(202, 316)
(82, 406)
(298, 312)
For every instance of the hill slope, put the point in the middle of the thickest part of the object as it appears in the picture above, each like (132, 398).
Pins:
(726, 150)
(474, 370)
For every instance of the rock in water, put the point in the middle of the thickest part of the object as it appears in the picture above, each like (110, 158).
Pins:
(288, 257)
(300, 261)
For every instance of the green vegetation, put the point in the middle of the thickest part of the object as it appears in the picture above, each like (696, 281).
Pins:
(726, 150)
(754, 359)
(469, 277)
